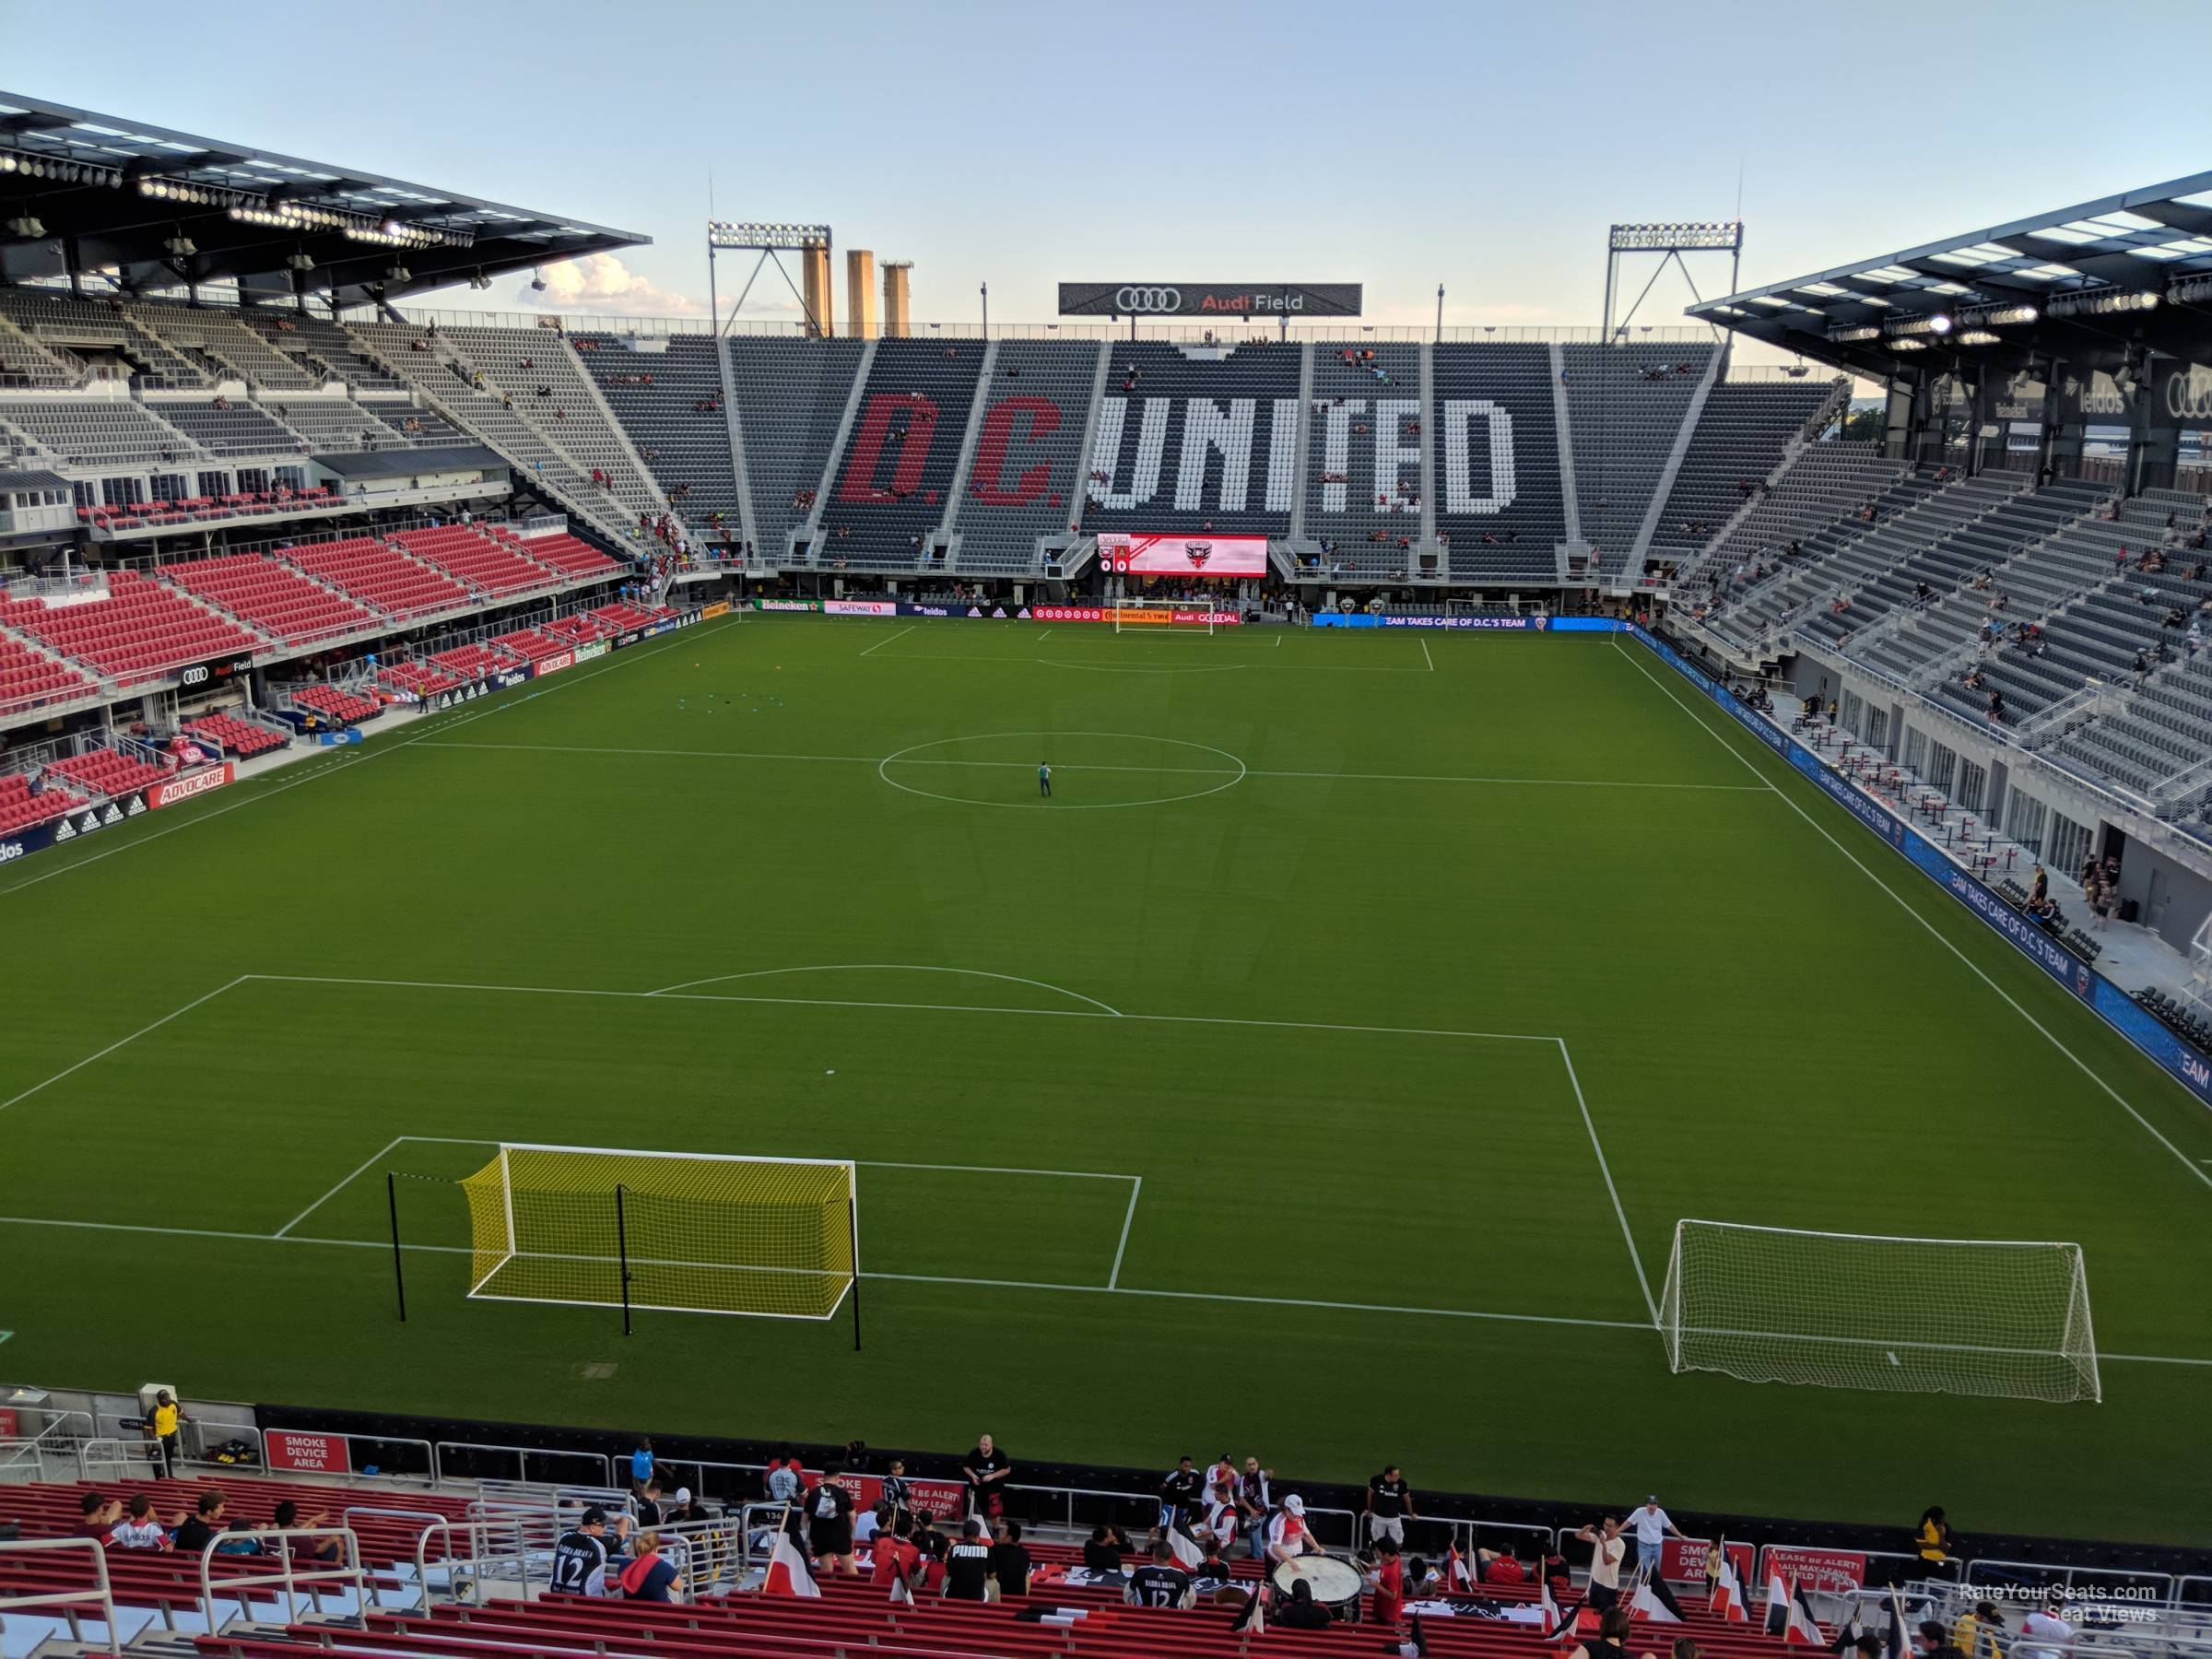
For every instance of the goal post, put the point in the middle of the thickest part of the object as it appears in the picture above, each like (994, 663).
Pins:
(1966, 1316)
(692, 1232)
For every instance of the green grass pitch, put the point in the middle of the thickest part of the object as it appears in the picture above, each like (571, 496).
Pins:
(1320, 1072)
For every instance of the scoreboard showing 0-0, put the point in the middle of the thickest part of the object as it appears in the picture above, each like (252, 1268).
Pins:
(1285, 300)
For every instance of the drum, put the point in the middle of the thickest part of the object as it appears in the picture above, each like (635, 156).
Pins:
(1335, 1584)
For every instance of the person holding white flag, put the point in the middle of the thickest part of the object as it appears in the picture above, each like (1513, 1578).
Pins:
(788, 1573)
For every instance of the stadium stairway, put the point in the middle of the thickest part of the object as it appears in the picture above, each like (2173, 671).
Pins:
(1626, 404)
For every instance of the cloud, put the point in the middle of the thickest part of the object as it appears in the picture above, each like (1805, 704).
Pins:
(601, 282)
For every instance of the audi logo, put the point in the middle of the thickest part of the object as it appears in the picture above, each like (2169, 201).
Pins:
(192, 677)
(1135, 302)
(2189, 393)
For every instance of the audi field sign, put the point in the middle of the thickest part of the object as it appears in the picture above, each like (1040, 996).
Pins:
(1228, 300)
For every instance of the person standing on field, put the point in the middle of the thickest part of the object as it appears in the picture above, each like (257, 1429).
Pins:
(1044, 781)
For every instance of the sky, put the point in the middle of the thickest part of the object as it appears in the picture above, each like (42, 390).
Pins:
(1400, 146)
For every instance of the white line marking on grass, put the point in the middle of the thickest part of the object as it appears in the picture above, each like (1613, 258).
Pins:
(906, 759)
(935, 1278)
(367, 1164)
(437, 723)
(1137, 668)
(121, 1042)
(1012, 978)
(882, 642)
(1933, 931)
(1040, 638)
(1612, 1192)
(1045, 804)
(1425, 656)
(1136, 1186)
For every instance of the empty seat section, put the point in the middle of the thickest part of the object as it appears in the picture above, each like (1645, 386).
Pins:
(1499, 502)
(1194, 439)
(332, 425)
(344, 708)
(217, 336)
(790, 395)
(565, 553)
(394, 583)
(97, 432)
(273, 598)
(324, 349)
(1364, 459)
(667, 394)
(891, 486)
(1026, 480)
(30, 679)
(100, 333)
(20, 807)
(106, 771)
(1626, 405)
(475, 557)
(1740, 437)
(141, 630)
(243, 739)
(530, 644)
(234, 429)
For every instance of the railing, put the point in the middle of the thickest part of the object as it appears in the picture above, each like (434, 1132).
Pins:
(291, 1580)
(602, 1467)
(71, 1603)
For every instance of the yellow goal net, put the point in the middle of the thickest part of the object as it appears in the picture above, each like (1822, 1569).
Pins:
(699, 1232)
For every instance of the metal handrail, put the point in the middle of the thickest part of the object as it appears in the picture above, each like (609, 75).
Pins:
(101, 1592)
(287, 1576)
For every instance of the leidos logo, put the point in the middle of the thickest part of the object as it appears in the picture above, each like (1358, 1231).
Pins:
(10, 851)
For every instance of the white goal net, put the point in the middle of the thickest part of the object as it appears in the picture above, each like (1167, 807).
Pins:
(1965, 1316)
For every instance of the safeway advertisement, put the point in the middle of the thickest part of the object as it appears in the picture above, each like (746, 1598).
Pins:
(1183, 555)
(190, 784)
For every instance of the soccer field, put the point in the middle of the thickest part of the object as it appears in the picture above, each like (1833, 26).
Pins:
(1320, 1072)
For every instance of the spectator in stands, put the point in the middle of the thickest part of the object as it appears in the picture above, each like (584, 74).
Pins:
(1158, 1583)
(1932, 1641)
(579, 1555)
(897, 1494)
(1612, 1632)
(781, 1479)
(100, 1514)
(1289, 1536)
(649, 1504)
(640, 1465)
(1219, 1521)
(1181, 1487)
(141, 1528)
(1389, 1506)
(968, 1565)
(1932, 1538)
(1973, 1632)
(166, 1424)
(1104, 1549)
(1653, 1527)
(650, 1576)
(2044, 1634)
(987, 1469)
(1010, 1561)
(829, 1524)
(1499, 1567)
(1606, 1550)
(286, 1517)
(197, 1531)
(1302, 1612)
(894, 1558)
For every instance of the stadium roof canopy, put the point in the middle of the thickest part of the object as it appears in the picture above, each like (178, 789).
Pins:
(2084, 283)
(82, 192)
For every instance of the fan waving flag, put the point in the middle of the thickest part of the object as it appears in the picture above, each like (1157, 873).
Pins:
(1456, 1576)
(1728, 1589)
(1654, 1600)
(1800, 1627)
(1778, 1604)
(1894, 1640)
(788, 1573)
(1848, 1632)
(1181, 1544)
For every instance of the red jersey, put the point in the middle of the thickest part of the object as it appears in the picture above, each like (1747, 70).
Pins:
(888, 1553)
(1390, 1592)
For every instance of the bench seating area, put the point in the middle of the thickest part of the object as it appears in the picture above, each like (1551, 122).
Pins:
(19, 810)
(531, 644)
(107, 771)
(28, 678)
(373, 572)
(563, 552)
(336, 707)
(855, 1618)
(275, 598)
(467, 554)
(242, 738)
(140, 631)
